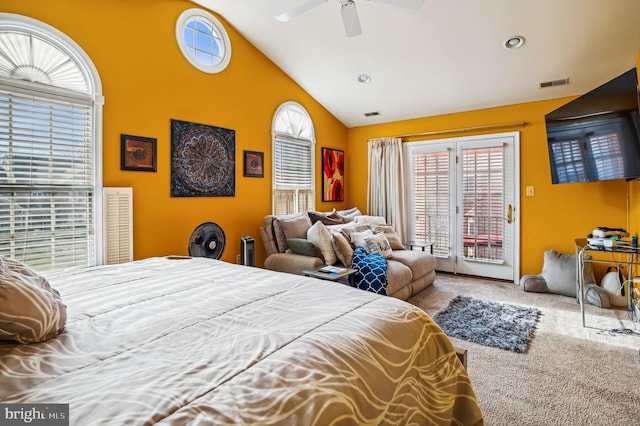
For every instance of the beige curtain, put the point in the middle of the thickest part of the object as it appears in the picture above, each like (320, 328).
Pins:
(386, 182)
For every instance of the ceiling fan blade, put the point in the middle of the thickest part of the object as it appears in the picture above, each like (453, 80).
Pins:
(350, 18)
(292, 13)
(411, 4)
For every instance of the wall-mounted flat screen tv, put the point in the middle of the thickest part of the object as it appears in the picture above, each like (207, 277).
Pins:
(597, 136)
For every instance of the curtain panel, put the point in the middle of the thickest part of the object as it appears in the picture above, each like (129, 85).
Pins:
(385, 187)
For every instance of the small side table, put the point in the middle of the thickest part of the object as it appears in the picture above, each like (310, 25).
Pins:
(423, 244)
(347, 273)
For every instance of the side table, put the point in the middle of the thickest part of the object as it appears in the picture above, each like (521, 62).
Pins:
(345, 273)
(423, 244)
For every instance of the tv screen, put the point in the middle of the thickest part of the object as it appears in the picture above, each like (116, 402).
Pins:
(597, 136)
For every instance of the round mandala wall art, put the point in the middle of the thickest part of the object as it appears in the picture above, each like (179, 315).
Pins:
(202, 160)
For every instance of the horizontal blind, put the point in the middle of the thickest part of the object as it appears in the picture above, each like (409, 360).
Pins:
(118, 224)
(46, 180)
(293, 176)
(431, 199)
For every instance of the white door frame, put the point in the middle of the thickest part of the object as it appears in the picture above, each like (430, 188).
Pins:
(450, 144)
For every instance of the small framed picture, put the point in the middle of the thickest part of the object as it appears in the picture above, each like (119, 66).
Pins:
(253, 164)
(137, 153)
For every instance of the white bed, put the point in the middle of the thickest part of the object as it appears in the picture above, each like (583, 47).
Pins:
(198, 341)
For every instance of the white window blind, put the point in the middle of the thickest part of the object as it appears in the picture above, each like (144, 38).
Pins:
(431, 188)
(293, 168)
(46, 180)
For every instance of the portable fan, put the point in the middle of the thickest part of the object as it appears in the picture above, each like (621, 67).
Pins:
(207, 240)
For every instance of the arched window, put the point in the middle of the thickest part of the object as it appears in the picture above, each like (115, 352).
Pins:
(50, 148)
(293, 160)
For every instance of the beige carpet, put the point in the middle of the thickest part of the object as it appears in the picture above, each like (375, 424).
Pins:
(570, 375)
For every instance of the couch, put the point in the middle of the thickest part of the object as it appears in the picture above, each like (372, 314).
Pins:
(295, 243)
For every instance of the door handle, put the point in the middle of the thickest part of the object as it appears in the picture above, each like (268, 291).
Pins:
(509, 213)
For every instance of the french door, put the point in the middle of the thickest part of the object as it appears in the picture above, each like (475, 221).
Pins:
(463, 196)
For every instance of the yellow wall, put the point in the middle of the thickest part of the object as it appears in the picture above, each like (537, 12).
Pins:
(551, 219)
(147, 82)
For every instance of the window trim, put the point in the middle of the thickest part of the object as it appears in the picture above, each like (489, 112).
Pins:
(18, 23)
(297, 139)
(181, 23)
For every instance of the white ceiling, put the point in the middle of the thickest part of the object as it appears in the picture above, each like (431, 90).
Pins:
(445, 57)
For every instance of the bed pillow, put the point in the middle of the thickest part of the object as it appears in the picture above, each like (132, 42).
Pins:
(320, 236)
(32, 311)
(559, 272)
(378, 243)
(371, 270)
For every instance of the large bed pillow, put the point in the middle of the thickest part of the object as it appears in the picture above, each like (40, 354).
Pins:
(32, 311)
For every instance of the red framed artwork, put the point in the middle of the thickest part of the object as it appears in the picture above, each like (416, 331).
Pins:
(332, 174)
(137, 153)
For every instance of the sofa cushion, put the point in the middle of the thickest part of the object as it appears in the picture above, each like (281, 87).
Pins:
(371, 270)
(420, 263)
(342, 247)
(289, 226)
(398, 276)
(378, 243)
(320, 236)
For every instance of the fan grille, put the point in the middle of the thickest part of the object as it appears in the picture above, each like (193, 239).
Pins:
(207, 240)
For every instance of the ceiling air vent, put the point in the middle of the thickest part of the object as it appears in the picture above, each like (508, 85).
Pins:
(561, 82)
(371, 114)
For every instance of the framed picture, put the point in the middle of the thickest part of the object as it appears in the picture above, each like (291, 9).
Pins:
(137, 153)
(253, 164)
(332, 174)
(203, 160)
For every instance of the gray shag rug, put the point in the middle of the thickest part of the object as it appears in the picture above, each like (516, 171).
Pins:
(499, 325)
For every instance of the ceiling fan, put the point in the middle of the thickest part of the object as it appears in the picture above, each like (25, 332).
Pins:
(347, 11)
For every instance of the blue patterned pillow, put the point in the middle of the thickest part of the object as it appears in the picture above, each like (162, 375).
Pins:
(371, 270)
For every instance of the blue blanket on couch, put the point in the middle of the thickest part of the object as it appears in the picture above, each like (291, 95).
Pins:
(371, 270)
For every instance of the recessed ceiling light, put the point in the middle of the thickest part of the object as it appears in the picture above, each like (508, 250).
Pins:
(363, 78)
(514, 42)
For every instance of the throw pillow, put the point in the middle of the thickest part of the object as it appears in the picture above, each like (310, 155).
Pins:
(320, 236)
(357, 238)
(370, 220)
(304, 247)
(349, 215)
(291, 226)
(343, 249)
(331, 218)
(378, 243)
(391, 234)
(559, 272)
(32, 311)
(371, 271)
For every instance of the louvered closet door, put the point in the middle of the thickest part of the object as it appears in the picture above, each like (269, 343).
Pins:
(463, 198)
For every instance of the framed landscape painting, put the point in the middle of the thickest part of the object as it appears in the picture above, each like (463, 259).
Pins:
(332, 174)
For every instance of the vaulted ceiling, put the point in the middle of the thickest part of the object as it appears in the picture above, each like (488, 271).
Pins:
(447, 56)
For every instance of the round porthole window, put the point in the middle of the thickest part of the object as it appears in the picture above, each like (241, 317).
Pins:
(203, 40)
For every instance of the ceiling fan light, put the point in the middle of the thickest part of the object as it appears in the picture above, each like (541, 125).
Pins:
(350, 18)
